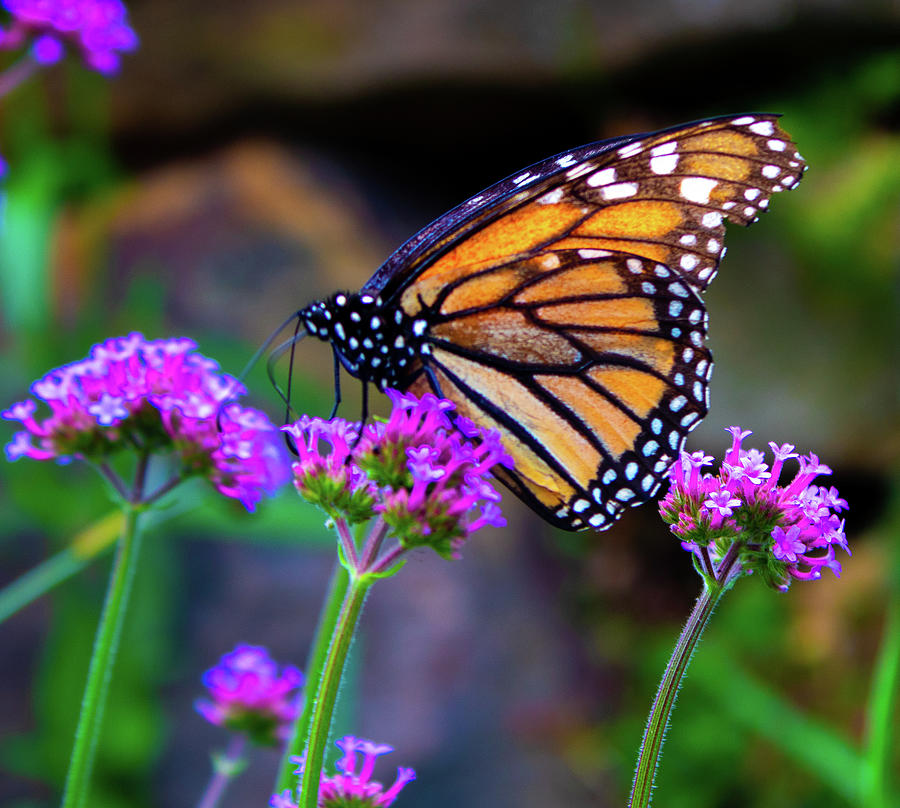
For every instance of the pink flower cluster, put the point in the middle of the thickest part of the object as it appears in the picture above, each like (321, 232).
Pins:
(425, 475)
(250, 695)
(153, 396)
(352, 787)
(788, 531)
(99, 29)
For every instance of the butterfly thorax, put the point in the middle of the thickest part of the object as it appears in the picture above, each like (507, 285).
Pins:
(375, 342)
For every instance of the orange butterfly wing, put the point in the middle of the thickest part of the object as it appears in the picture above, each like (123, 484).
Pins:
(562, 306)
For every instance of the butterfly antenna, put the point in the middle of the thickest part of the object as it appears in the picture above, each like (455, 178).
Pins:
(241, 377)
(276, 354)
(268, 343)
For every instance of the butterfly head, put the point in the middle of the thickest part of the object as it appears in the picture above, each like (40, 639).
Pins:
(375, 342)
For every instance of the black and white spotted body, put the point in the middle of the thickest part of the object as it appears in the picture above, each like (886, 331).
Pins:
(374, 343)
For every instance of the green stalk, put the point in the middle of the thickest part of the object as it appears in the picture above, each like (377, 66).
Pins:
(875, 784)
(329, 683)
(663, 704)
(105, 645)
(39, 580)
(315, 665)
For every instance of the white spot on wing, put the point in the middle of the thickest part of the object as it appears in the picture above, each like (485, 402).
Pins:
(763, 128)
(665, 148)
(552, 197)
(631, 150)
(664, 164)
(550, 261)
(603, 177)
(619, 191)
(579, 170)
(697, 189)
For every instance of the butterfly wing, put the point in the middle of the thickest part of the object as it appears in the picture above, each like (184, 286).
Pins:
(590, 363)
(562, 305)
(663, 195)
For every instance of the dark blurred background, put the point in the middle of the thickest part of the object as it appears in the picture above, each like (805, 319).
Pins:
(252, 157)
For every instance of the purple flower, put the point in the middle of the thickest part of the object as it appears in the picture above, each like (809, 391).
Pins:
(47, 50)
(161, 396)
(788, 544)
(785, 532)
(324, 473)
(99, 29)
(250, 695)
(425, 475)
(352, 787)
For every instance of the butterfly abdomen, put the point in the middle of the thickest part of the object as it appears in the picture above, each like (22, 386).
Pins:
(375, 343)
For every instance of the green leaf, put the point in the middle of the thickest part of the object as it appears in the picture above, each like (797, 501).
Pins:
(749, 702)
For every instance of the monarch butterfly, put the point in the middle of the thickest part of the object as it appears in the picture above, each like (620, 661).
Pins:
(562, 307)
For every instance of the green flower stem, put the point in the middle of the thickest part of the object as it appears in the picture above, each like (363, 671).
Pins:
(875, 786)
(329, 683)
(315, 664)
(225, 768)
(373, 544)
(348, 545)
(105, 645)
(661, 711)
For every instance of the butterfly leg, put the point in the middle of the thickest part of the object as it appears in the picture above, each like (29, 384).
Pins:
(363, 418)
(433, 381)
(337, 384)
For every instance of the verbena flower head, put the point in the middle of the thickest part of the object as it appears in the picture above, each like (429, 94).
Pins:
(353, 787)
(427, 476)
(249, 694)
(98, 29)
(785, 531)
(158, 396)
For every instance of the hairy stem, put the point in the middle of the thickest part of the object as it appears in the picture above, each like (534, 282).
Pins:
(315, 664)
(225, 769)
(661, 711)
(329, 683)
(105, 646)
